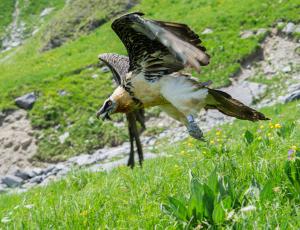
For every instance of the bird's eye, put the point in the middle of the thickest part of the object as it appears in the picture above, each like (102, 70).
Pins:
(109, 103)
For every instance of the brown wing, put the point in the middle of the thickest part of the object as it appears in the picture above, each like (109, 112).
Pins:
(157, 47)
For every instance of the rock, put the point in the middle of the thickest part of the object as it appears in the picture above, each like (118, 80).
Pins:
(24, 174)
(62, 138)
(105, 69)
(49, 169)
(261, 31)
(12, 181)
(289, 28)
(46, 11)
(8, 144)
(207, 31)
(37, 171)
(58, 168)
(26, 101)
(25, 143)
(292, 97)
(91, 120)
(297, 29)
(95, 76)
(246, 34)
(62, 93)
(86, 159)
(17, 147)
(286, 69)
(37, 179)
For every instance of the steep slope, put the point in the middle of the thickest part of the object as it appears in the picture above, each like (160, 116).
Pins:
(80, 17)
(71, 68)
(22, 19)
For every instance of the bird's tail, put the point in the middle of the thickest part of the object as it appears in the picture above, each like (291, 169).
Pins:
(232, 107)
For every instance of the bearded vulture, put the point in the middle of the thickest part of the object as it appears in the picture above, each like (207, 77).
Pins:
(119, 65)
(157, 52)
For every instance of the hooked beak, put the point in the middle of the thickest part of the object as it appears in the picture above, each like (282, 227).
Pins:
(103, 114)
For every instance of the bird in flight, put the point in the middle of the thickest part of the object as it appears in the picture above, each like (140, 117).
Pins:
(119, 65)
(158, 51)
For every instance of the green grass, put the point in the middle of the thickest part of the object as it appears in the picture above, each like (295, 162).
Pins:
(126, 198)
(6, 9)
(28, 69)
(81, 17)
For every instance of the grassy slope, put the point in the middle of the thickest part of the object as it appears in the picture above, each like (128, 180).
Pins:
(46, 73)
(29, 13)
(6, 9)
(31, 10)
(127, 198)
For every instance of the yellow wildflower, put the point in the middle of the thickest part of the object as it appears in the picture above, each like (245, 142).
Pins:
(261, 127)
(212, 142)
(84, 213)
(190, 144)
(182, 152)
(277, 126)
(218, 133)
(294, 147)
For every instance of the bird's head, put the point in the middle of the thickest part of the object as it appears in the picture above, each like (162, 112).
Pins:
(108, 107)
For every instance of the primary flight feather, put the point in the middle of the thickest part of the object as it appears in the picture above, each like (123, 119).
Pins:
(157, 52)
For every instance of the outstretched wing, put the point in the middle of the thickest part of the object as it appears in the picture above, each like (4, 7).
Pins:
(118, 65)
(159, 47)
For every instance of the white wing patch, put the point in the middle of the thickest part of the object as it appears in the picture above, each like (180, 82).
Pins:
(182, 93)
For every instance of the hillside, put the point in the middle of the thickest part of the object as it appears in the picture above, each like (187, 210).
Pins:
(59, 165)
(69, 68)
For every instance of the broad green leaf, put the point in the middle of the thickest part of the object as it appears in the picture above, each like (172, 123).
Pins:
(248, 137)
(177, 208)
(208, 200)
(218, 214)
(227, 203)
(212, 181)
(267, 192)
(196, 206)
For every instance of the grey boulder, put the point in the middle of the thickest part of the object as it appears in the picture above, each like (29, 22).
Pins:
(12, 181)
(292, 97)
(26, 101)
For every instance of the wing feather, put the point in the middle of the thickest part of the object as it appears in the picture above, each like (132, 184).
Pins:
(155, 46)
(118, 65)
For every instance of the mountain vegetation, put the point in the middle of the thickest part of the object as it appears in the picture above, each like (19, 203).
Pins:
(246, 176)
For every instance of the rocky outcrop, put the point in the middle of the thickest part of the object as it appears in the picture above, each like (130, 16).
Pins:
(15, 31)
(82, 17)
(17, 142)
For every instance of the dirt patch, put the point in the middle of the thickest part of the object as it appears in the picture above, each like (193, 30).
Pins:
(17, 143)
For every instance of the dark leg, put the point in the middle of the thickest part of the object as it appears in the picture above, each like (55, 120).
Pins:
(138, 144)
(131, 120)
(140, 117)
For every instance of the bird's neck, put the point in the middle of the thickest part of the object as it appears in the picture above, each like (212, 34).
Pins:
(125, 103)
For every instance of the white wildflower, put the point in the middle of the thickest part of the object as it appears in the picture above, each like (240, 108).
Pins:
(29, 206)
(248, 208)
(5, 220)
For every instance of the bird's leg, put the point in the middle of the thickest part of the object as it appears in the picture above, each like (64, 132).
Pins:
(194, 129)
(140, 117)
(138, 143)
(131, 120)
